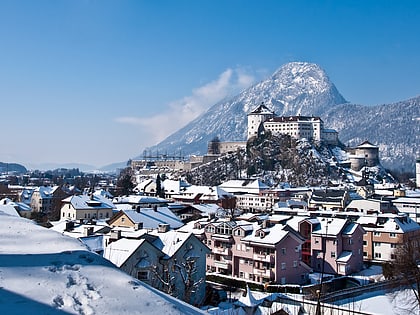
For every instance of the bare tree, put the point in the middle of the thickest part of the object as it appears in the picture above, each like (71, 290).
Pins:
(178, 278)
(404, 270)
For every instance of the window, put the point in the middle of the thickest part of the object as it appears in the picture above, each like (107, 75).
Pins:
(350, 241)
(376, 244)
(295, 264)
(283, 266)
(283, 251)
(122, 220)
(377, 233)
(143, 275)
(393, 245)
(392, 235)
(332, 254)
(364, 243)
(378, 255)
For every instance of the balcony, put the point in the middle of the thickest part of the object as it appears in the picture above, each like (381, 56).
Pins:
(222, 265)
(267, 273)
(267, 258)
(222, 251)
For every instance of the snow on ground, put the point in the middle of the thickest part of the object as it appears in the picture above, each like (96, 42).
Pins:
(45, 272)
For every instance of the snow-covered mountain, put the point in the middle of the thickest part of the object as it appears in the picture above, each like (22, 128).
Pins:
(304, 88)
(295, 88)
(44, 272)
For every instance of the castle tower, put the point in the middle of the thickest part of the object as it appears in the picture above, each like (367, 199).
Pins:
(369, 152)
(418, 172)
(256, 117)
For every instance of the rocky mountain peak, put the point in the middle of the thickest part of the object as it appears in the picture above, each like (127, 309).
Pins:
(300, 88)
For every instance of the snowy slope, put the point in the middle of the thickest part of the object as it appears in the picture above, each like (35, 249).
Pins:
(44, 272)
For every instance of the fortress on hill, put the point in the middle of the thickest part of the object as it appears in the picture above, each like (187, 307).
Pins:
(261, 120)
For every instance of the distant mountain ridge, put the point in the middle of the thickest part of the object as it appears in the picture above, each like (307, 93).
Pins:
(304, 88)
(12, 167)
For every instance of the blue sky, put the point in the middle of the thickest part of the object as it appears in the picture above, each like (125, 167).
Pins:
(98, 81)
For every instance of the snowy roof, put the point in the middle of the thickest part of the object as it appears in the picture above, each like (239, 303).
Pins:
(206, 208)
(170, 242)
(174, 186)
(207, 192)
(151, 218)
(295, 221)
(275, 234)
(77, 229)
(46, 191)
(261, 110)
(248, 300)
(95, 243)
(139, 199)
(350, 228)
(9, 210)
(344, 257)
(45, 272)
(244, 186)
(119, 251)
(82, 202)
(391, 223)
(329, 226)
(407, 200)
(366, 144)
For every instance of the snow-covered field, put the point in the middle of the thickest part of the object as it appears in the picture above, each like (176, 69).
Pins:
(44, 272)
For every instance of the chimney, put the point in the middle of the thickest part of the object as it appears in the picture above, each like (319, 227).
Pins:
(88, 231)
(155, 208)
(115, 235)
(163, 228)
(69, 225)
(138, 209)
(138, 226)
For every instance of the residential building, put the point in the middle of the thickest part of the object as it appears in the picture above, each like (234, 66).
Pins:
(264, 251)
(86, 207)
(384, 233)
(369, 206)
(329, 199)
(47, 199)
(337, 246)
(173, 262)
(206, 195)
(244, 186)
(332, 245)
(408, 205)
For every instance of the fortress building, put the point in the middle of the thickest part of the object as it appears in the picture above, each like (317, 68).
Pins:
(309, 127)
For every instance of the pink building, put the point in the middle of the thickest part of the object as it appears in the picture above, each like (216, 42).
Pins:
(261, 251)
(337, 246)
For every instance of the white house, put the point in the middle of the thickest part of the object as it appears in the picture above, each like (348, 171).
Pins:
(86, 207)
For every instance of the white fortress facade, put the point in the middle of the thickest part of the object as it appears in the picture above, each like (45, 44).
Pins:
(298, 127)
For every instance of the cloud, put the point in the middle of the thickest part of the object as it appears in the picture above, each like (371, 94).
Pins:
(181, 112)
